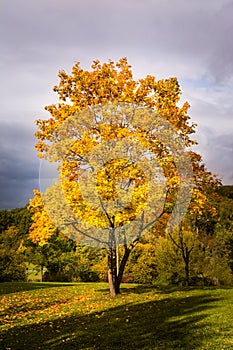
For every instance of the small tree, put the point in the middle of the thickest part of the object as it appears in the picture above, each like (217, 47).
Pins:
(185, 242)
(142, 264)
(179, 258)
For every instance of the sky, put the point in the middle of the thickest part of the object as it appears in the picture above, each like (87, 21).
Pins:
(191, 40)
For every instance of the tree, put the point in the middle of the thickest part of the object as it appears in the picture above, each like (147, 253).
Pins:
(18, 217)
(95, 109)
(56, 260)
(223, 230)
(12, 262)
(179, 258)
(142, 264)
(185, 243)
(14, 227)
(41, 228)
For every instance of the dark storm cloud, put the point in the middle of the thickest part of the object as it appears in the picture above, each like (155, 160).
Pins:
(19, 167)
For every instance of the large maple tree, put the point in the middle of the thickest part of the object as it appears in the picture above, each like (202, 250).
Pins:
(95, 109)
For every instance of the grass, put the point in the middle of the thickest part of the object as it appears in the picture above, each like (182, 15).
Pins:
(84, 316)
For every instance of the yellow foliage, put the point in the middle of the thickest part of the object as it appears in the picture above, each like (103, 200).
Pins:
(42, 228)
(84, 90)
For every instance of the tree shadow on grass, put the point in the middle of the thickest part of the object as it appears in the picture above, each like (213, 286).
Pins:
(137, 289)
(170, 323)
(143, 288)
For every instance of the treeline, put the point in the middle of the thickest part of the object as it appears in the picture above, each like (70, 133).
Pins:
(204, 257)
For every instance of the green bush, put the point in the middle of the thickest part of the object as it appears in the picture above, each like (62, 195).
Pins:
(12, 267)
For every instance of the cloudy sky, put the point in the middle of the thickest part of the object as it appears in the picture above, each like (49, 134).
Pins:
(191, 40)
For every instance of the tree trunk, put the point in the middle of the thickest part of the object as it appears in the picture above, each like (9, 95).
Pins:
(112, 271)
(115, 276)
(187, 271)
(41, 273)
(122, 264)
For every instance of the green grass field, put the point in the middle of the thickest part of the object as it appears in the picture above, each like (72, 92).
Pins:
(84, 316)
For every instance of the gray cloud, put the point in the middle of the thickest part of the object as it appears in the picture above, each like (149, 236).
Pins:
(188, 39)
(186, 30)
(217, 153)
(221, 59)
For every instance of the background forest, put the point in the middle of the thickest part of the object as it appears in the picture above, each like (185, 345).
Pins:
(157, 258)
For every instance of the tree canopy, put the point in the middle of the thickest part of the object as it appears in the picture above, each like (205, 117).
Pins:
(124, 150)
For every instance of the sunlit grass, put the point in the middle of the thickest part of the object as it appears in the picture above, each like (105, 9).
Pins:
(84, 316)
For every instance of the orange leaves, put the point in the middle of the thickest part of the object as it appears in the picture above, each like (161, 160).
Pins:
(111, 82)
(41, 305)
(42, 228)
(81, 131)
(200, 204)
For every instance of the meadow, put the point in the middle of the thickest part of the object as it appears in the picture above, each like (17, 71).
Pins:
(84, 316)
